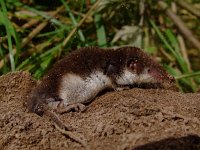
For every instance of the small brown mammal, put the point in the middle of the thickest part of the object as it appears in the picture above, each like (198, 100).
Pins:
(81, 75)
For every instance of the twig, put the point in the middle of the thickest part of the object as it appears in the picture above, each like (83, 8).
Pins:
(60, 126)
(185, 118)
(180, 24)
(184, 51)
(168, 56)
(189, 7)
(185, 55)
(89, 18)
(73, 137)
(30, 23)
(39, 28)
(89, 13)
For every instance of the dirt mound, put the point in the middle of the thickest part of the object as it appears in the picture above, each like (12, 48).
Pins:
(132, 119)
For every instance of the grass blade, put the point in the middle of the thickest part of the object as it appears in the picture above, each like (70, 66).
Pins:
(172, 40)
(101, 34)
(7, 25)
(189, 75)
(74, 22)
(178, 57)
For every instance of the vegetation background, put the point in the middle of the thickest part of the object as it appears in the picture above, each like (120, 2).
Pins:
(36, 33)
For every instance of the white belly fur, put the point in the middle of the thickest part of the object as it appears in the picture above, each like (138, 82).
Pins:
(129, 78)
(73, 89)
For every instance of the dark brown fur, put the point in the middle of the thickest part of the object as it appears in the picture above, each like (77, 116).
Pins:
(85, 60)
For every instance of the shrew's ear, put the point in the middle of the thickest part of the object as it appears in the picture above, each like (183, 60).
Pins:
(135, 65)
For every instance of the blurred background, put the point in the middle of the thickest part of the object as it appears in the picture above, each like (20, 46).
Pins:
(34, 34)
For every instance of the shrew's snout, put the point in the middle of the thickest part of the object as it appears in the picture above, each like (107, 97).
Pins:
(160, 75)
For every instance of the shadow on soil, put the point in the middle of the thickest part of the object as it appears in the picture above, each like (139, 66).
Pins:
(190, 142)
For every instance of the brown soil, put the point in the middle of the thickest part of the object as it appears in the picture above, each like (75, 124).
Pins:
(131, 119)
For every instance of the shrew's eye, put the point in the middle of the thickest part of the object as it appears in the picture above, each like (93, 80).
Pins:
(135, 65)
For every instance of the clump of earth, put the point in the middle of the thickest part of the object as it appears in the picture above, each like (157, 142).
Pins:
(141, 119)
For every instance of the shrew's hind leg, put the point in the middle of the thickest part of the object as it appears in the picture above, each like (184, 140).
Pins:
(63, 108)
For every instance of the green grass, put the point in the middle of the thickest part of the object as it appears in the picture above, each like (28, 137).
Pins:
(82, 24)
(10, 32)
(73, 19)
(182, 74)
